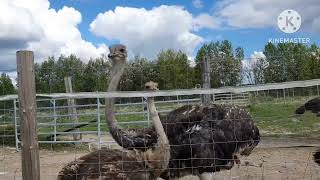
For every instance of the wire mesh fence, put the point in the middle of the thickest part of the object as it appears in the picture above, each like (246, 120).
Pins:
(71, 125)
(285, 151)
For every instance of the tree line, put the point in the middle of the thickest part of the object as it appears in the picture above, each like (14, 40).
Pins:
(173, 70)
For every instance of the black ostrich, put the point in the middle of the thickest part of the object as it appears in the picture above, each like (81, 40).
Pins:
(202, 138)
(110, 164)
(312, 105)
(316, 157)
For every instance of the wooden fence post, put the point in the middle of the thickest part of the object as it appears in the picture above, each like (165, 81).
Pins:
(71, 108)
(27, 101)
(206, 98)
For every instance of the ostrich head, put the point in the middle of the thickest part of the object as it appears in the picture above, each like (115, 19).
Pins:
(118, 54)
(151, 86)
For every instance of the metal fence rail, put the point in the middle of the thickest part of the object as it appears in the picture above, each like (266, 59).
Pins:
(53, 117)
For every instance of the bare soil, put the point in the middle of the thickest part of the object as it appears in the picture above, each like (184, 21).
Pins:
(284, 160)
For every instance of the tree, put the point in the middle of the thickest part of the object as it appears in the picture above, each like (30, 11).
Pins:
(224, 61)
(95, 75)
(174, 70)
(6, 86)
(291, 62)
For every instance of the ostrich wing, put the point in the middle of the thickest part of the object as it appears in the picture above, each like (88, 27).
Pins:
(106, 164)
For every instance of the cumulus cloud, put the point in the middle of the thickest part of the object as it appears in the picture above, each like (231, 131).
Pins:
(264, 13)
(205, 21)
(146, 32)
(35, 26)
(197, 4)
(254, 58)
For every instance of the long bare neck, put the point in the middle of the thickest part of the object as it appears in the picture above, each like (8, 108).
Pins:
(160, 155)
(116, 73)
(162, 138)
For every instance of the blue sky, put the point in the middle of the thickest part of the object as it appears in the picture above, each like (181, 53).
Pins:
(251, 39)
(87, 27)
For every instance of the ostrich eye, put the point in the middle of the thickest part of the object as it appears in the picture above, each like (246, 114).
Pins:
(122, 50)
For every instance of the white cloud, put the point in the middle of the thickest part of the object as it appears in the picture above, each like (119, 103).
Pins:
(146, 32)
(13, 76)
(257, 55)
(197, 4)
(264, 13)
(205, 21)
(35, 26)
(254, 58)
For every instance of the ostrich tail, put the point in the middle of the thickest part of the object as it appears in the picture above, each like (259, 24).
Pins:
(129, 140)
(69, 172)
(300, 110)
(316, 156)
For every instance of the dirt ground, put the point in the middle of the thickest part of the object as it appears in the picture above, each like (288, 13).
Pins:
(266, 162)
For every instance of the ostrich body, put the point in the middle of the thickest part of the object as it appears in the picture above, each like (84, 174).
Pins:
(202, 138)
(312, 105)
(108, 164)
(316, 157)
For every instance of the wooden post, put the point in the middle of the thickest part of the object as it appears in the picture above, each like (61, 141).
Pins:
(71, 107)
(206, 99)
(27, 101)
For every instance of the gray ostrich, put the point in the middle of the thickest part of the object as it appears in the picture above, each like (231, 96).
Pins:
(108, 164)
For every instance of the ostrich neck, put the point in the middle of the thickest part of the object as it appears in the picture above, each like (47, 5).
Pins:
(162, 138)
(116, 72)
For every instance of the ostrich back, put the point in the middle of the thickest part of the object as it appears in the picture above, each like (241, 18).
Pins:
(106, 164)
(205, 138)
(312, 105)
(316, 156)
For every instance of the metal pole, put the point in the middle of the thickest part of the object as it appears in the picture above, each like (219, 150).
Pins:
(28, 106)
(55, 120)
(206, 80)
(99, 127)
(15, 124)
(318, 90)
(148, 114)
(284, 95)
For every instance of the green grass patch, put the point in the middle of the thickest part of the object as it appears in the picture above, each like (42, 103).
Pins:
(278, 119)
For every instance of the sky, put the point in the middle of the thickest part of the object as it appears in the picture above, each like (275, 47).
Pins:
(87, 27)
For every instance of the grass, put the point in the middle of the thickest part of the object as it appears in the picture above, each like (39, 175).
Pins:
(278, 119)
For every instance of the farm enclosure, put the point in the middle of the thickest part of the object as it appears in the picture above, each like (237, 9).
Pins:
(288, 157)
(65, 125)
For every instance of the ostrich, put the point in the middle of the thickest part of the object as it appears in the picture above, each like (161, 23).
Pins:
(312, 105)
(202, 138)
(107, 164)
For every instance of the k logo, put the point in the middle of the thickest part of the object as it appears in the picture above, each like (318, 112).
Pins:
(289, 21)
